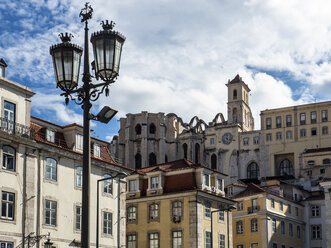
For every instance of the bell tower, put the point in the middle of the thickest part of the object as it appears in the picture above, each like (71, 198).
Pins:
(238, 104)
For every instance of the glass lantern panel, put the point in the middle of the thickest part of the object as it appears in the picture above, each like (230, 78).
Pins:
(67, 61)
(109, 49)
(58, 66)
(117, 56)
(99, 52)
(76, 66)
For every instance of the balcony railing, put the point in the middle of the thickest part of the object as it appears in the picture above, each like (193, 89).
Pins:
(253, 209)
(16, 129)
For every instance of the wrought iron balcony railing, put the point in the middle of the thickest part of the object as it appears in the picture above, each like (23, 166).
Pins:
(16, 129)
(253, 209)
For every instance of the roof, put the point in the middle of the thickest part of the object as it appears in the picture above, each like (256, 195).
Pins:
(238, 79)
(252, 189)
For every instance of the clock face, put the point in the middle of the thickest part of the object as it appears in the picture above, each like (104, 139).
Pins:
(227, 138)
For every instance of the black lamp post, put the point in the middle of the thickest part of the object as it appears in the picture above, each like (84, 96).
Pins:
(107, 47)
(228, 209)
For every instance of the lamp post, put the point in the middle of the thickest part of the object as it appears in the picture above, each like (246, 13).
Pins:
(119, 175)
(228, 209)
(107, 48)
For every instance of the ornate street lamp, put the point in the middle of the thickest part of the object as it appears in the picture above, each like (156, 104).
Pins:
(107, 46)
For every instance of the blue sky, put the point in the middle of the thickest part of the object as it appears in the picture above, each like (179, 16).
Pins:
(178, 55)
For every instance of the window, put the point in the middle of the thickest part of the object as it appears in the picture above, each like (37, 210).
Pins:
(268, 137)
(290, 229)
(245, 141)
(234, 94)
(324, 115)
(240, 227)
(256, 140)
(278, 135)
(131, 240)
(152, 128)
(177, 208)
(79, 176)
(252, 170)
(315, 231)
(278, 122)
(221, 213)
(207, 209)
(153, 240)
(107, 223)
(154, 211)
(9, 116)
(152, 159)
(240, 246)
(313, 117)
(326, 161)
(286, 168)
(283, 246)
(315, 211)
(137, 160)
(221, 241)
(50, 213)
(78, 218)
(325, 130)
(282, 227)
(274, 245)
(132, 185)
(322, 171)
(212, 141)
(309, 172)
(8, 161)
(298, 232)
(50, 135)
(51, 169)
(220, 184)
(96, 150)
(289, 120)
(302, 118)
(254, 225)
(4, 244)
(302, 132)
(268, 123)
(197, 153)
(296, 211)
(240, 206)
(138, 129)
(185, 150)
(254, 245)
(177, 239)
(208, 239)
(213, 161)
(108, 184)
(274, 226)
(132, 213)
(7, 205)
(230, 191)
(289, 209)
(154, 182)
(272, 203)
(289, 134)
(313, 131)
(79, 142)
(206, 179)
(310, 162)
(281, 206)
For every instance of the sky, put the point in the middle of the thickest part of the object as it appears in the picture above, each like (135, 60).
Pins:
(178, 55)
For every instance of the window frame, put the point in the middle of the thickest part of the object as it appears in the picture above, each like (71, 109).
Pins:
(131, 243)
(107, 223)
(207, 209)
(317, 232)
(325, 130)
(268, 137)
(10, 205)
(302, 118)
(177, 208)
(97, 150)
(278, 121)
(279, 136)
(221, 240)
(268, 123)
(79, 141)
(254, 225)
(78, 218)
(131, 213)
(50, 135)
(289, 134)
(132, 183)
(51, 169)
(274, 225)
(240, 227)
(50, 213)
(9, 123)
(208, 239)
(7, 244)
(79, 176)
(7, 155)
(108, 185)
(157, 239)
(154, 212)
(313, 117)
(240, 206)
(324, 115)
(288, 120)
(177, 238)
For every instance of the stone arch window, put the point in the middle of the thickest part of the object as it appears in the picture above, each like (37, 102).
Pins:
(152, 128)
(213, 161)
(138, 129)
(197, 153)
(8, 158)
(137, 160)
(185, 150)
(235, 115)
(234, 94)
(152, 159)
(166, 158)
(253, 170)
(285, 168)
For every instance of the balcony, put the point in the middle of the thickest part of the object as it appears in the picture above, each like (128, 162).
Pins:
(16, 129)
(253, 209)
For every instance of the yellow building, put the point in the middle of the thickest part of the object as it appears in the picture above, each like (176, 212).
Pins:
(264, 218)
(171, 205)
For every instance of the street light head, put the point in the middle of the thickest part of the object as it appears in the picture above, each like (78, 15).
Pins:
(66, 61)
(231, 207)
(48, 243)
(106, 114)
(107, 49)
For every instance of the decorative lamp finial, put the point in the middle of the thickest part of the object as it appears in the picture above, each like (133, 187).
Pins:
(65, 38)
(107, 26)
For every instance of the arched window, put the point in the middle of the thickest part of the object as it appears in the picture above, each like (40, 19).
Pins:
(285, 168)
(213, 161)
(8, 161)
(197, 153)
(138, 129)
(234, 94)
(152, 128)
(166, 158)
(79, 176)
(252, 170)
(185, 150)
(108, 185)
(51, 169)
(234, 115)
(152, 159)
(137, 160)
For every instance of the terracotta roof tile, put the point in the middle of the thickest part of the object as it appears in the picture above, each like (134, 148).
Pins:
(252, 189)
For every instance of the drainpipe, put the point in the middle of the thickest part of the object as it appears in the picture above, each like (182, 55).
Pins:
(196, 212)
(38, 198)
(118, 212)
(228, 228)
(24, 199)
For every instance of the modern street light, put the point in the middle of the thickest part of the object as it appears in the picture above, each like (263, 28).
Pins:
(228, 209)
(107, 47)
(118, 175)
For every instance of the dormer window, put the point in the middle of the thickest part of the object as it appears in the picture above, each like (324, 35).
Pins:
(50, 135)
(219, 184)
(206, 181)
(132, 185)
(154, 182)
(79, 142)
(97, 150)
